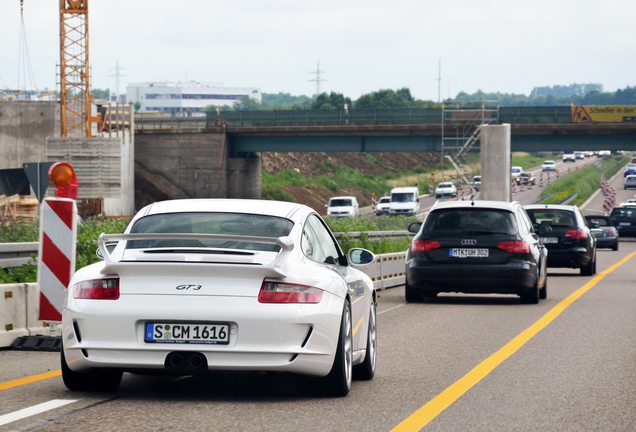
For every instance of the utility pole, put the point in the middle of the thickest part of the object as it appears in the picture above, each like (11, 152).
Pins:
(439, 83)
(317, 80)
(117, 75)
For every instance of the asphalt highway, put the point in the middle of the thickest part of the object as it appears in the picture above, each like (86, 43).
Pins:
(456, 363)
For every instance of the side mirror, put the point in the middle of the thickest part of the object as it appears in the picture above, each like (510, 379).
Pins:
(545, 229)
(415, 227)
(360, 257)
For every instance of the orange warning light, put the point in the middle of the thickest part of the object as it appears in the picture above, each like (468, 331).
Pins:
(63, 176)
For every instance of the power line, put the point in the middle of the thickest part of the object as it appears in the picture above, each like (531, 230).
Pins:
(117, 75)
(317, 80)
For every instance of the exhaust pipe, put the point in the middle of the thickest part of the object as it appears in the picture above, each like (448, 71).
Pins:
(186, 362)
(175, 360)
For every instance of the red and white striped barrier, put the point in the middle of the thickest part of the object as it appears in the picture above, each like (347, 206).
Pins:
(373, 203)
(56, 259)
(514, 186)
(541, 178)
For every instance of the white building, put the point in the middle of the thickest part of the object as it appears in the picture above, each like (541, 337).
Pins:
(171, 97)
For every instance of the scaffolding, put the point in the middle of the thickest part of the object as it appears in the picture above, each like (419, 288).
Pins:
(461, 133)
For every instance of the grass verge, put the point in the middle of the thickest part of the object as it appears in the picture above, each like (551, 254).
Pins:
(583, 181)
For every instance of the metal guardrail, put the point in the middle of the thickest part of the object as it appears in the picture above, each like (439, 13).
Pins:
(392, 116)
(17, 254)
(373, 235)
(569, 199)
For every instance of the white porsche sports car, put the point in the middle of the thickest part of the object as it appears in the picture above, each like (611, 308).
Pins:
(222, 285)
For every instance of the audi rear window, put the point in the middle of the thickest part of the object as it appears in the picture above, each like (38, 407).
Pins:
(623, 212)
(451, 222)
(234, 224)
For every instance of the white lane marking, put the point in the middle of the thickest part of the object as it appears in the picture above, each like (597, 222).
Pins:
(390, 309)
(34, 410)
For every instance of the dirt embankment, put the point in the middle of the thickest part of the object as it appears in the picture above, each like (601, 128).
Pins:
(313, 164)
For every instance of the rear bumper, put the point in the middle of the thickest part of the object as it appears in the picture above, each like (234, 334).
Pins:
(606, 242)
(263, 337)
(577, 257)
(627, 231)
(515, 277)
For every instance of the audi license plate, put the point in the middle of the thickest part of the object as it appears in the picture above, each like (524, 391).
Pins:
(546, 240)
(177, 333)
(468, 253)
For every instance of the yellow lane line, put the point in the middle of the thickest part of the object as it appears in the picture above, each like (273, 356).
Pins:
(355, 330)
(432, 409)
(30, 379)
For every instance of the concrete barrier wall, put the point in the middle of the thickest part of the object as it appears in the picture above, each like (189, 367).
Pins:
(19, 309)
(19, 303)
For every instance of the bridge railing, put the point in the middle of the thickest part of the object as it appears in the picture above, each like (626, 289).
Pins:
(393, 116)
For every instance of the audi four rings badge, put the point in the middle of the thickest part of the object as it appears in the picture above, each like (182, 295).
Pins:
(469, 242)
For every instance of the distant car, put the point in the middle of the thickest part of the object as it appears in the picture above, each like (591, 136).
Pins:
(527, 179)
(476, 247)
(477, 182)
(633, 161)
(383, 205)
(630, 169)
(565, 234)
(605, 154)
(629, 202)
(548, 166)
(516, 171)
(605, 233)
(343, 206)
(579, 155)
(629, 182)
(212, 285)
(569, 157)
(624, 218)
(445, 189)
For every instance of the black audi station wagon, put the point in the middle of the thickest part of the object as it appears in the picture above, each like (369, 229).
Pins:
(476, 247)
(565, 234)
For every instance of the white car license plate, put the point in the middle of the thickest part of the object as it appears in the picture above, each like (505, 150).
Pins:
(468, 253)
(625, 223)
(179, 333)
(546, 240)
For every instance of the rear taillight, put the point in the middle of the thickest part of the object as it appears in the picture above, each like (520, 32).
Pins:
(97, 289)
(276, 292)
(612, 231)
(514, 246)
(576, 234)
(424, 245)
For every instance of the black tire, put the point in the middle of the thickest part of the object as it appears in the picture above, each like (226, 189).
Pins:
(366, 370)
(543, 292)
(98, 380)
(615, 247)
(532, 296)
(590, 270)
(338, 382)
(412, 294)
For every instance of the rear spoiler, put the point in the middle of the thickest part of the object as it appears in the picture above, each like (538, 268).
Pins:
(112, 264)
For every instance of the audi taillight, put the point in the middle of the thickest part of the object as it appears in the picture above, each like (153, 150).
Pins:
(277, 292)
(576, 234)
(97, 289)
(424, 245)
(514, 246)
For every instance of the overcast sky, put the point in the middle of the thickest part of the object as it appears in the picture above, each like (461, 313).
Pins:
(509, 46)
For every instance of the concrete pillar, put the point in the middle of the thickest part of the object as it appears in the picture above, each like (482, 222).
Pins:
(496, 176)
(244, 177)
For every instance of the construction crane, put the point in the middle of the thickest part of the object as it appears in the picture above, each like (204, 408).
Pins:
(9, 96)
(74, 76)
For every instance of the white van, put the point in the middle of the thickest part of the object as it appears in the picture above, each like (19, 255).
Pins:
(343, 206)
(405, 201)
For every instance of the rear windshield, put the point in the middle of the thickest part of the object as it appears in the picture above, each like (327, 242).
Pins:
(470, 221)
(599, 221)
(210, 223)
(403, 197)
(623, 212)
(340, 202)
(552, 217)
(385, 200)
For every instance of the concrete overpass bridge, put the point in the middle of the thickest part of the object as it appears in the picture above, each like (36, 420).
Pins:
(218, 156)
